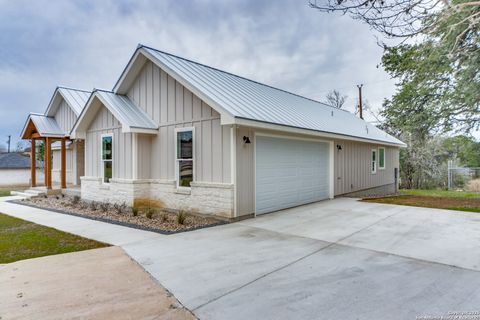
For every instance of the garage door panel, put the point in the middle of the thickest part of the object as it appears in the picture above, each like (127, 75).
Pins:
(290, 173)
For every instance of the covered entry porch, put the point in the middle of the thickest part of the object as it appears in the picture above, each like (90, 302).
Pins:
(39, 127)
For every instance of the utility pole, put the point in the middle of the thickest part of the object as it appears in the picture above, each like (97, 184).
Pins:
(8, 142)
(360, 106)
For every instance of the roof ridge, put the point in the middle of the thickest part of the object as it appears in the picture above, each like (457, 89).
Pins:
(74, 89)
(241, 77)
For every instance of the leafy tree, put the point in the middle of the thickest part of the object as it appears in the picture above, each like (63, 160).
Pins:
(464, 149)
(335, 99)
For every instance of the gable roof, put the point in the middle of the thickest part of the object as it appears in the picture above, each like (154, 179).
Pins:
(243, 101)
(45, 126)
(14, 160)
(75, 98)
(132, 118)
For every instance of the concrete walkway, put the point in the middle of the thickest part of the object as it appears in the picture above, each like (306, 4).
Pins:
(339, 259)
(91, 284)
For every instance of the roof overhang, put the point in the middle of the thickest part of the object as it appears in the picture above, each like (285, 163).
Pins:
(93, 105)
(294, 130)
(35, 129)
(134, 67)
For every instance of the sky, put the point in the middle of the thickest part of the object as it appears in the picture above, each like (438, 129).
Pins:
(86, 44)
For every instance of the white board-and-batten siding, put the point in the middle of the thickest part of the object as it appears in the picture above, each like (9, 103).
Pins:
(353, 165)
(171, 106)
(65, 117)
(105, 123)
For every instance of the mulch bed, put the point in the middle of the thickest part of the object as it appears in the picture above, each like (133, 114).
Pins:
(161, 221)
(462, 204)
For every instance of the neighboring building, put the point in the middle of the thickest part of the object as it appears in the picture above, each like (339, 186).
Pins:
(194, 137)
(15, 169)
(54, 126)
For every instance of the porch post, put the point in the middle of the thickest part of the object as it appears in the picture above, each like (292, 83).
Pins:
(63, 170)
(33, 164)
(49, 162)
(45, 161)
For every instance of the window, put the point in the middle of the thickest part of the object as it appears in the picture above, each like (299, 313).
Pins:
(107, 155)
(381, 158)
(184, 157)
(374, 161)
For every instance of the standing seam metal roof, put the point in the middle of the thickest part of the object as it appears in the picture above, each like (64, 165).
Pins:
(127, 112)
(248, 99)
(46, 126)
(75, 98)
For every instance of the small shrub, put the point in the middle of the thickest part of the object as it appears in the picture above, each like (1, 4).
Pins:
(164, 217)
(120, 207)
(134, 211)
(104, 206)
(75, 200)
(181, 217)
(149, 213)
(94, 205)
(83, 205)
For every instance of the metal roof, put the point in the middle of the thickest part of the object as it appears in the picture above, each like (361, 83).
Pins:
(126, 111)
(14, 160)
(247, 99)
(75, 98)
(46, 126)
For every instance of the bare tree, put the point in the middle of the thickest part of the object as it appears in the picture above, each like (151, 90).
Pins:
(335, 99)
(401, 18)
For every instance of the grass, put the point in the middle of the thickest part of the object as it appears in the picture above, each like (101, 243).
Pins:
(20, 239)
(4, 193)
(440, 199)
(441, 193)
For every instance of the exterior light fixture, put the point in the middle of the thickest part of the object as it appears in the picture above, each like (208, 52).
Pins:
(246, 140)
(339, 147)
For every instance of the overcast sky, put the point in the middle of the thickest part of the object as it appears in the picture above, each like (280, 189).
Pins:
(86, 44)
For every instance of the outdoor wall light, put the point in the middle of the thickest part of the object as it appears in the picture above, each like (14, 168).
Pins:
(339, 147)
(246, 139)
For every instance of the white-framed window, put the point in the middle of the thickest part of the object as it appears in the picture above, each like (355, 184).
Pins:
(184, 156)
(374, 161)
(107, 157)
(381, 158)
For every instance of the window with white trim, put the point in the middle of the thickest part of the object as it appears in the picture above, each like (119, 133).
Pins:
(381, 158)
(107, 158)
(184, 157)
(374, 161)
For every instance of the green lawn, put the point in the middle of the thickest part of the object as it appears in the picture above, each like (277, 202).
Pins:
(4, 193)
(20, 239)
(441, 193)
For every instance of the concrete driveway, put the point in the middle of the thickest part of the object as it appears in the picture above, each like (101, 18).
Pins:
(334, 259)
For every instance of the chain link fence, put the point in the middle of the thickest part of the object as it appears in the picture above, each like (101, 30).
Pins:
(463, 178)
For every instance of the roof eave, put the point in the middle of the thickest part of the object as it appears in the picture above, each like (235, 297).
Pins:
(290, 129)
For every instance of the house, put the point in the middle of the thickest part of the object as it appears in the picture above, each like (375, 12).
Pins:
(188, 136)
(15, 169)
(64, 163)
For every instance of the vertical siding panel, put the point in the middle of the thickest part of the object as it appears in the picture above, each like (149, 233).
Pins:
(198, 151)
(187, 99)
(178, 103)
(163, 97)
(207, 150)
(149, 90)
(206, 111)
(171, 99)
(156, 87)
(226, 154)
(171, 152)
(217, 152)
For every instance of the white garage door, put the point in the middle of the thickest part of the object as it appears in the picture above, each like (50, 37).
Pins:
(290, 173)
